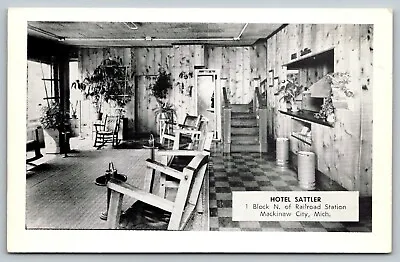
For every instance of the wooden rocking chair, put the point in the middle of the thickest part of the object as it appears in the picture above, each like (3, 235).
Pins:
(157, 212)
(107, 132)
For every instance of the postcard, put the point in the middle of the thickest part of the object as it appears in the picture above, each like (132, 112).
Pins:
(199, 130)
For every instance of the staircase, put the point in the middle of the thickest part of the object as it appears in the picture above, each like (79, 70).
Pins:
(244, 129)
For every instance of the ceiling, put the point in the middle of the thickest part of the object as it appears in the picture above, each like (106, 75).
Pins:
(101, 34)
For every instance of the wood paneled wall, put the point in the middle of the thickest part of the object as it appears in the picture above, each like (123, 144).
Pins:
(344, 152)
(243, 67)
(144, 64)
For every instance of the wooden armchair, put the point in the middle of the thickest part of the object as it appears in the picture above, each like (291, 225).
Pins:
(107, 132)
(187, 132)
(178, 159)
(157, 212)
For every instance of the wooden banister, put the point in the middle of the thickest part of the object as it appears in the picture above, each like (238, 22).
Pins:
(261, 101)
(227, 112)
(261, 110)
(226, 99)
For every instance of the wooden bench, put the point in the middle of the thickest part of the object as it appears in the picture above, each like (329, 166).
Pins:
(34, 143)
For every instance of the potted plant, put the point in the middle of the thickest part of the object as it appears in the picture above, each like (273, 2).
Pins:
(74, 121)
(338, 82)
(159, 90)
(107, 83)
(291, 90)
(327, 111)
(52, 120)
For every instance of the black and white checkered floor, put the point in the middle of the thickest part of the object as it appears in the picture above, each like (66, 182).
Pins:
(257, 172)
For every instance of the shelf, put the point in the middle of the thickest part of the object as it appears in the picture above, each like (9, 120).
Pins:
(311, 59)
(307, 116)
(302, 138)
(50, 79)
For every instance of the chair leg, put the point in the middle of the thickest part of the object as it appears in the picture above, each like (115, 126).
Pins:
(163, 180)
(114, 211)
(200, 202)
(95, 140)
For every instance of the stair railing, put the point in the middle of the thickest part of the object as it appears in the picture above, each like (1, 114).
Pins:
(227, 113)
(260, 105)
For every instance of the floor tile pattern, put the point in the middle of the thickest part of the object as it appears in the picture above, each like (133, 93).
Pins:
(257, 172)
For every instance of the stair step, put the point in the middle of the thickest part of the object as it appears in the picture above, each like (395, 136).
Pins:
(245, 148)
(244, 122)
(236, 115)
(241, 108)
(248, 141)
(251, 138)
(244, 131)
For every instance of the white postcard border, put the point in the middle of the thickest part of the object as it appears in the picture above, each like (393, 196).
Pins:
(379, 240)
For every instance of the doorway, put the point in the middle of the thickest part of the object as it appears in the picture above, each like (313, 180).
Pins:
(208, 98)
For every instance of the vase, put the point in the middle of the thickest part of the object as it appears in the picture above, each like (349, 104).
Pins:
(74, 127)
(99, 116)
(52, 141)
(295, 108)
(288, 106)
(330, 118)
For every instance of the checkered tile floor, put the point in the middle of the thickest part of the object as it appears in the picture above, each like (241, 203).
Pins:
(256, 172)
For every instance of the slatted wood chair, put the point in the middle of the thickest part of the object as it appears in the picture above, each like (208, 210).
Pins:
(187, 132)
(178, 159)
(157, 212)
(107, 132)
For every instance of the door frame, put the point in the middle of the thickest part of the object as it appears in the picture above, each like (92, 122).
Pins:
(217, 96)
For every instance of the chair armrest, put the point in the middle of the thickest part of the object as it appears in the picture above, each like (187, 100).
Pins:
(164, 169)
(140, 194)
(99, 126)
(170, 123)
(179, 152)
(187, 131)
(186, 126)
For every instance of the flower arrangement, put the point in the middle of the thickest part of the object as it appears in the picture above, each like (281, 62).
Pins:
(340, 80)
(52, 116)
(327, 111)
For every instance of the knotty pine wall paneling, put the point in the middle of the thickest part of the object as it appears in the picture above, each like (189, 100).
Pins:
(343, 151)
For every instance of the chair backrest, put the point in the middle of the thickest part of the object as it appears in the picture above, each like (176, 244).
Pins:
(204, 142)
(187, 196)
(193, 121)
(199, 138)
(111, 123)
